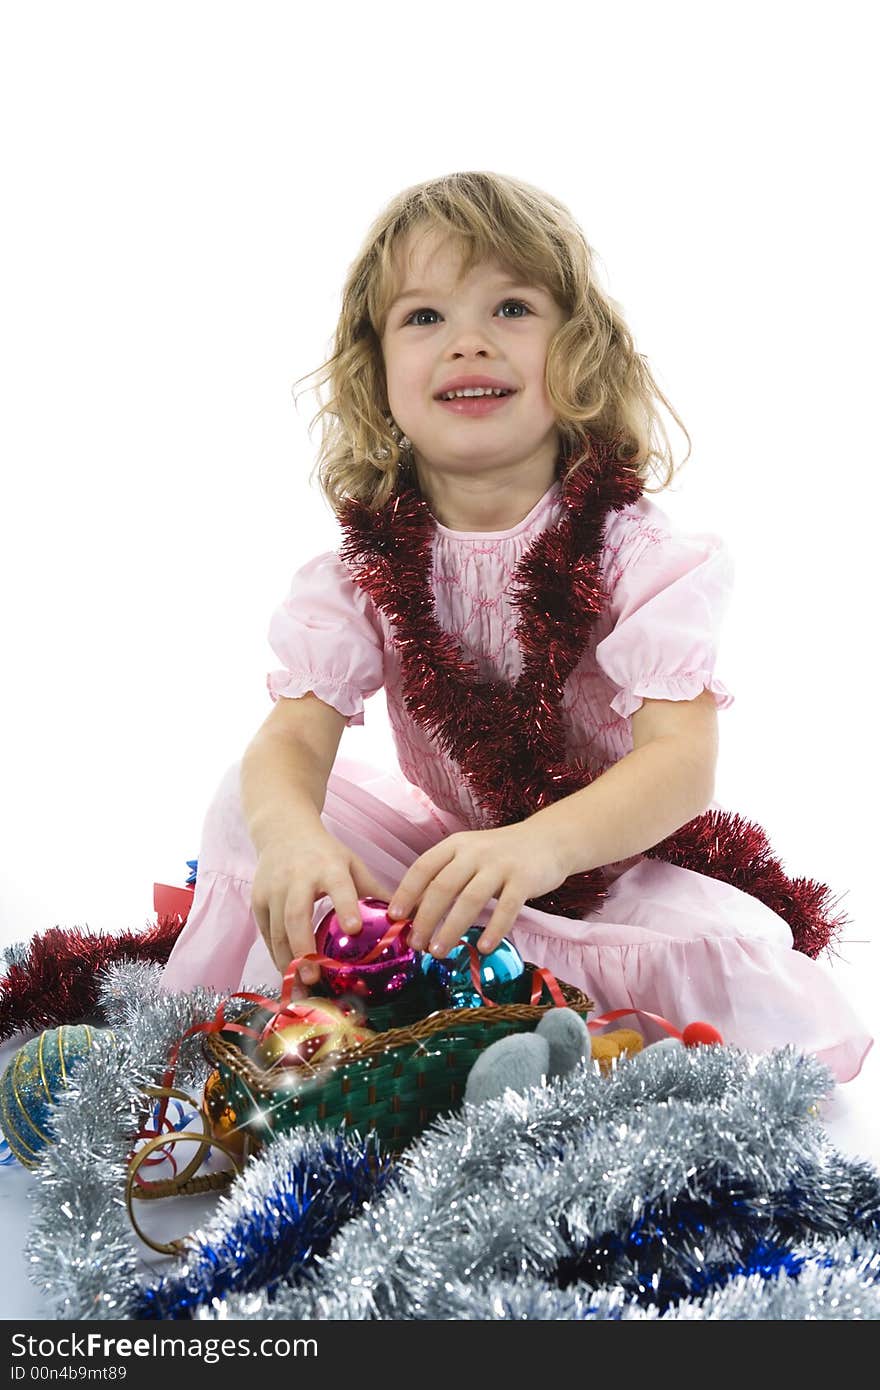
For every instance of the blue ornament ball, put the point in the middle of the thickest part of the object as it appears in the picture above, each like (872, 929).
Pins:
(502, 973)
(33, 1081)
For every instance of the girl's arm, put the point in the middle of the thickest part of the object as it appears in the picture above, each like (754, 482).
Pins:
(663, 783)
(667, 779)
(286, 766)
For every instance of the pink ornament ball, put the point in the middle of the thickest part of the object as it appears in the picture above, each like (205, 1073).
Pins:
(381, 978)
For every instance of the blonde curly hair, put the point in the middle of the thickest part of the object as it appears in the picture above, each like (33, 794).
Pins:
(596, 381)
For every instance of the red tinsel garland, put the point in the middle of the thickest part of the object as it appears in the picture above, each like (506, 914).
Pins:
(722, 845)
(57, 980)
(509, 740)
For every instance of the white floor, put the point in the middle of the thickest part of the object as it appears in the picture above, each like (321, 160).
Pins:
(851, 1117)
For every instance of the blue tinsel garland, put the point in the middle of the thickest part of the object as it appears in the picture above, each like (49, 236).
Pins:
(318, 1182)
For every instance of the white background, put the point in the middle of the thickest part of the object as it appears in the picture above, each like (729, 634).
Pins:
(185, 187)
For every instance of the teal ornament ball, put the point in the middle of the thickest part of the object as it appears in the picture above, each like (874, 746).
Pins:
(503, 976)
(32, 1082)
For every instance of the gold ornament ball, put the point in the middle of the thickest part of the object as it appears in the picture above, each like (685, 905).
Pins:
(310, 1033)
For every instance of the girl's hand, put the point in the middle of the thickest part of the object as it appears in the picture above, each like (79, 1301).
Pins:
(512, 863)
(292, 872)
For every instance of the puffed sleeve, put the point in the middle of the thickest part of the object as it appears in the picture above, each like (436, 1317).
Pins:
(328, 638)
(669, 592)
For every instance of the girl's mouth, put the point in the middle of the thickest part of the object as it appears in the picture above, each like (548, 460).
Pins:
(476, 405)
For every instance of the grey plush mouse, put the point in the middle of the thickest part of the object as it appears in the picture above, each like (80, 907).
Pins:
(567, 1037)
(521, 1060)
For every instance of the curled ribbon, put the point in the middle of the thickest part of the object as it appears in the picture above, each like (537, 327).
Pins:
(600, 1022)
(161, 1125)
(540, 978)
(705, 1036)
(219, 1022)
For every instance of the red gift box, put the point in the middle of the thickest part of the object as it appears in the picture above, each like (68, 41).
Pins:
(172, 901)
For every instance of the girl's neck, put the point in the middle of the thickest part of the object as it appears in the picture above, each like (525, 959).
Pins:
(486, 502)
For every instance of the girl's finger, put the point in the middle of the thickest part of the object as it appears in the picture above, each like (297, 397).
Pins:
(501, 921)
(299, 936)
(263, 921)
(468, 906)
(438, 899)
(278, 945)
(417, 877)
(343, 894)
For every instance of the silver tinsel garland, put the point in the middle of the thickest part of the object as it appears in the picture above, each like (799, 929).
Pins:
(82, 1250)
(506, 1189)
(16, 953)
(839, 1280)
(489, 1202)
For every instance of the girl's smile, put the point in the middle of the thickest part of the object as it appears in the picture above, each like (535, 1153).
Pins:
(476, 405)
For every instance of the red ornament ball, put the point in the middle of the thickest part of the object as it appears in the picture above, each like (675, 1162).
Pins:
(700, 1034)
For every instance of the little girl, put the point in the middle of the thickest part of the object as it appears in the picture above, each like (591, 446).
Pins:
(547, 644)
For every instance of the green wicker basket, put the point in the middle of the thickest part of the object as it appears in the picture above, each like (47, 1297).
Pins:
(395, 1084)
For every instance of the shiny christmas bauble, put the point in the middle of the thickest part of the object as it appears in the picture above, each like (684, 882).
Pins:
(700, 1035)
(377, 979)
(34, 1079)
(222, 1117)
(502, 973)
(308, 1034)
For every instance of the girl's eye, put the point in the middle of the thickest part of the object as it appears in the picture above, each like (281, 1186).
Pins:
(417, 312)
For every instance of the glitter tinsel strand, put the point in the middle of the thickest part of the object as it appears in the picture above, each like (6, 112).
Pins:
(81, 1250)
(54, 979)
(286, 1207)
(816, 1280)
(723, 845)
(464, 715)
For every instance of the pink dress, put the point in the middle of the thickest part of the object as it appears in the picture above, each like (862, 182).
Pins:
(666, 939)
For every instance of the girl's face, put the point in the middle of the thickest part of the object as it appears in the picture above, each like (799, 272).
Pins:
(437, 334)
